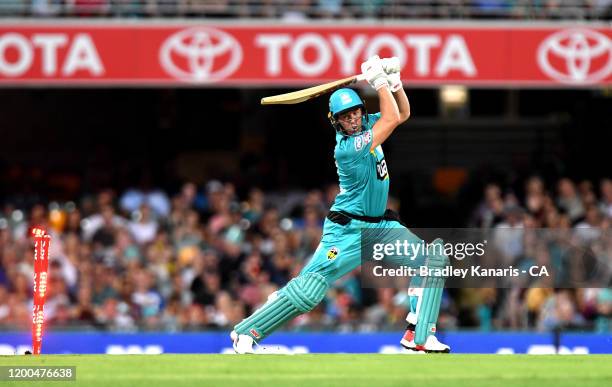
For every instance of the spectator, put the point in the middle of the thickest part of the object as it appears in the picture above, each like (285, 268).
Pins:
(329, 8)
(104, 224)
(589, 228)
(46, 8)
(492, 8)
(129, 8)
(205, 288)
(568, 200)
(84, 310)
(91, 7)
(606, 197)
(603, 321)
(146, 299)
(508, 235)
(490, 211)
(134, 199)
(143, 228)
(559, 312)
(4, 307)
(253, 208)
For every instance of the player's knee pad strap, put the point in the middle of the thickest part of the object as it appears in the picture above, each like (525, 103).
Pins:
(299, 296)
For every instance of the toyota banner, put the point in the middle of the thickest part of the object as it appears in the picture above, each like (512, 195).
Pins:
(233, 54)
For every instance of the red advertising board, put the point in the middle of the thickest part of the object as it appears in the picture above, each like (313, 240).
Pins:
(257, 54)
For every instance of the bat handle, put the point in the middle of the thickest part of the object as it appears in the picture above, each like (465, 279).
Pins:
(360, 78)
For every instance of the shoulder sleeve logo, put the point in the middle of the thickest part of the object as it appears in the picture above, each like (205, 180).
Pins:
(332, 253)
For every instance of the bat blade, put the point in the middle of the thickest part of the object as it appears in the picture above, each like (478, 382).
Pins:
(310, 93)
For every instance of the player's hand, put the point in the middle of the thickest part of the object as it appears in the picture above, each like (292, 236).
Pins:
(374, 73)
(392, 69)
(391, 65)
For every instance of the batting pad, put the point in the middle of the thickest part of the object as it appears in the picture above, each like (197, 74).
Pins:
(299, 296)
(429, 309)
(428, 296)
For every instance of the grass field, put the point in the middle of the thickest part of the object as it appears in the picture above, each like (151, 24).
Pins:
(325, 370)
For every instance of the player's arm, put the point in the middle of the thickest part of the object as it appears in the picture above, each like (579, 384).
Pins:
(390, 118)
(392, 69)
(403, 104)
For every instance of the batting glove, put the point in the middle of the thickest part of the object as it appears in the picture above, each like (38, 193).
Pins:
(392, 69)
(374, 73)
(391, 65)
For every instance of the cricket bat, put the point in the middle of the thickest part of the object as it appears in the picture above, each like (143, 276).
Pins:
(310, 93)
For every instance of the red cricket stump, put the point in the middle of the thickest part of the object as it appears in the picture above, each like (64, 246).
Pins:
(41, 266)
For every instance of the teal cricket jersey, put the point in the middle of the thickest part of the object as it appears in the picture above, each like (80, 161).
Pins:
(362, 174)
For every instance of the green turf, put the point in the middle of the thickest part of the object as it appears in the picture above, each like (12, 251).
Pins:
(326, 370)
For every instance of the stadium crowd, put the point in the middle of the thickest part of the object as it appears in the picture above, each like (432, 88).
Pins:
(204, 258)
(305, 9)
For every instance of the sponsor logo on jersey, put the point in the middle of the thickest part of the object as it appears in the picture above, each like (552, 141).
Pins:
(381, 170)
(362, 140)
(358, 143)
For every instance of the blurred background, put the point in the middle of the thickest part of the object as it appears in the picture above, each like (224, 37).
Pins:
(181, 205)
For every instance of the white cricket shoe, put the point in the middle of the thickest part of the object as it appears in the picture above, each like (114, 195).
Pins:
(242, 344)
(432, 345)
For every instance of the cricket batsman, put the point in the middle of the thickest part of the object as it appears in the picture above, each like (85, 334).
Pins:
(361, 204)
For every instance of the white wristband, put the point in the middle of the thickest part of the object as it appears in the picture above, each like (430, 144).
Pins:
(395, 82)
(396, 87)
